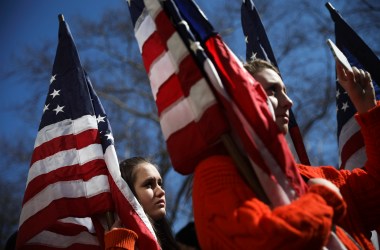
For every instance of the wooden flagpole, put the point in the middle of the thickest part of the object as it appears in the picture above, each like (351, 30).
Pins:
(245, 169)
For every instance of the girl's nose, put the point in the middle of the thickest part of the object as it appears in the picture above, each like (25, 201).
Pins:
(160, 191)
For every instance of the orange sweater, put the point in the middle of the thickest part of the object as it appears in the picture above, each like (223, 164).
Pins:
(229, 216)
(120, 238)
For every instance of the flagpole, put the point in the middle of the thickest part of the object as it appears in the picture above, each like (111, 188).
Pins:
(245, 170)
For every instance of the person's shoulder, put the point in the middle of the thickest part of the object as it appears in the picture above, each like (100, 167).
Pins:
(316, 171)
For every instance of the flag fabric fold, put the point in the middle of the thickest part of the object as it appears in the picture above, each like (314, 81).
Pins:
(258, 45)
(184, 35)
(74, 175)
(350, 141)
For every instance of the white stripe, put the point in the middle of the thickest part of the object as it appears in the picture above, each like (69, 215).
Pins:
(111, 160)
(85, 222)
(160, 71)
(144, 28)
(348, 130)
(47, 238)
(270, 162)
(177, 48)
(153, 7)
(65, 189)
(167, 63)
(187, 109)
(65, 127)
(357, 159)
(272, 189)
(65, 158)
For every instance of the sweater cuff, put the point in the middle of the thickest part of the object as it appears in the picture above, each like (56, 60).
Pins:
(120, 237)
(370, 117)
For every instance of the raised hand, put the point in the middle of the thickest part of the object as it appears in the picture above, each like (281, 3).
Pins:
(359, 87)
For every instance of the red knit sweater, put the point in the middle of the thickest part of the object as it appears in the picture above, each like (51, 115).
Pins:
(229, 216)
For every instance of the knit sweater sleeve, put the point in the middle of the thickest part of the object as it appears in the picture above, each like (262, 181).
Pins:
(370, 129)
(229, 216)
(361, 186)
(120, 238)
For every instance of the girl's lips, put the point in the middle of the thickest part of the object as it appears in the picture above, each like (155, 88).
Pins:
(284, 117)
(161, 202)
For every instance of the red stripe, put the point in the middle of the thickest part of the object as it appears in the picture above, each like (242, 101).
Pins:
(353, 144)
(67, 228)
(251, 101)
(179, 85)
(129, 217)
(155, 45)
(72, 247)
(164, 26)
(65, 173)
(168, 93)
(151, 49)
(189, 74)
(62, 208)
(65, 142)
(203, 135)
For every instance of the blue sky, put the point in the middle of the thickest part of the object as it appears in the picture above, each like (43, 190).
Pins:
(27, 23)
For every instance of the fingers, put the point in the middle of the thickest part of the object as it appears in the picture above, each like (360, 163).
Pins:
(117, 224)
(359, 87)
(341, 74)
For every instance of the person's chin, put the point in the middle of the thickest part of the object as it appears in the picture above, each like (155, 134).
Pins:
(160, 214)
(284, 128)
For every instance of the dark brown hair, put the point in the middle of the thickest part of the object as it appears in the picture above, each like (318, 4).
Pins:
(161, 227)
(127, 168)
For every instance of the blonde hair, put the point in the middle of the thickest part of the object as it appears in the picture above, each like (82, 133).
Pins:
(256, 65)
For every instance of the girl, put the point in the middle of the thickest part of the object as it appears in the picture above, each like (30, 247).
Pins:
(146, 184)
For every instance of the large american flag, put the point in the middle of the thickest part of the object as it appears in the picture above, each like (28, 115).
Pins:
(202, 91)
(74, 173)
(258, 45)
(350, 141)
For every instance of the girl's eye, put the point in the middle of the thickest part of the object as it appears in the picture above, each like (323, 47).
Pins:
(148, 184)
(271, 90)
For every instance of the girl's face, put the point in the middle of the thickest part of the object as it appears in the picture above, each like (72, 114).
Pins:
(276, 92)
(149, 191)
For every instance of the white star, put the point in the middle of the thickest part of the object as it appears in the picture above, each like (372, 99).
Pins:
(52, 79)
(100, 119)
(345, 106)
(55, 93)
(246, 39)
(184, 23)
(337, 93)
(129, 2)
(110, 137)
(46, 107)
(195, 46)
(58, 109)
(253, 57)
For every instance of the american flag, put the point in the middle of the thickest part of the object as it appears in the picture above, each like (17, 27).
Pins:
(189, 66)
(74, 174)
(258, 45)
(350, 141)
